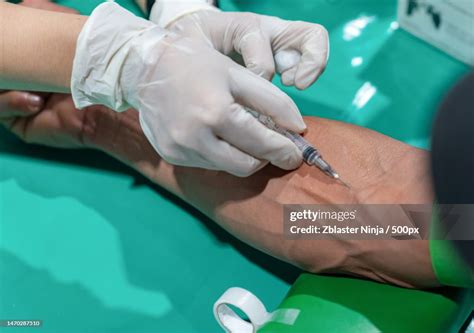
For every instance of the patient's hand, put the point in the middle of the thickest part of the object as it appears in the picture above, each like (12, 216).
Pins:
(50, 120)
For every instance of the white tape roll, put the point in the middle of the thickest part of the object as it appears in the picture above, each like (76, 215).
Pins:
(245, 301)
(253, 308)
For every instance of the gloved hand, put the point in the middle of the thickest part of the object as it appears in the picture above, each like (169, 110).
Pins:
(299, 49)
(190, 97)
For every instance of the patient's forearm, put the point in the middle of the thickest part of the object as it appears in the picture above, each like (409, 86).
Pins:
(379, 170)
(37, 48)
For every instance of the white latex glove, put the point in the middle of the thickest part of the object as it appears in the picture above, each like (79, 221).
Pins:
(299, 49)
(189, 96)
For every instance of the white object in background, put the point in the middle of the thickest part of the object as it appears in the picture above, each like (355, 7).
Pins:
(447, 24)
(245, 301)
(470, 328)
(253, 308)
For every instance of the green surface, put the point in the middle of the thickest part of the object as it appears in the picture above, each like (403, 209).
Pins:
(449, 267)
(89, 246)
(337, 304)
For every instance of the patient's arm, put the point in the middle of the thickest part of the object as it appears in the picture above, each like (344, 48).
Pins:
(378, 168)
(37, 48)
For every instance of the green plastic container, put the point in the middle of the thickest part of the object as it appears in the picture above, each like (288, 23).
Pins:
(337, 304)
(326, 304)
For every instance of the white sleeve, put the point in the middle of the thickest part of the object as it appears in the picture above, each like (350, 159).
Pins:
(164, 12)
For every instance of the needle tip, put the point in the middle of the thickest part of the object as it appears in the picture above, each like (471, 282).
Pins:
(344, 183)
(336, 176)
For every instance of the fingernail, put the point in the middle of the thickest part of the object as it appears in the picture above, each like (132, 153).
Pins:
(301, 126)
(35, 102)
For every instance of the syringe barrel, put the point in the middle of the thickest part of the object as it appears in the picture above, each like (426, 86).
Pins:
(310, 154)
(298, 140)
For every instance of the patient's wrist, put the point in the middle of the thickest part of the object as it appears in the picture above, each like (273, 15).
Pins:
(120, 135)
(106, 130)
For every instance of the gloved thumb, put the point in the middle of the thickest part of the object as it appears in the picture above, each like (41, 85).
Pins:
(257, 53)
(19, 103)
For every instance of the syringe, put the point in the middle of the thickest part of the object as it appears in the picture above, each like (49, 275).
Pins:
(311, 155)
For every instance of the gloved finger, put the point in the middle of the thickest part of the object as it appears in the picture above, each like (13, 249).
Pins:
(257, 54)
(20, 104)
(228, 158)
(288, 76)
(260, 95)
(245, 132)
(314, 56)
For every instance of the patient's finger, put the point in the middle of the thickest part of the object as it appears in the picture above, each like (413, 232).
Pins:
(19, 104)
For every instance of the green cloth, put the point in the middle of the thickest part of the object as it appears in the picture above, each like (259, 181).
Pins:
(342, 304)
(449, 267)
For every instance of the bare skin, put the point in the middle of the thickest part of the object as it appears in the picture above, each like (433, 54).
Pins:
(41, 46)
(379, 169)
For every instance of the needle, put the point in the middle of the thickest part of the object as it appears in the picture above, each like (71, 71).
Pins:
(337, 177)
